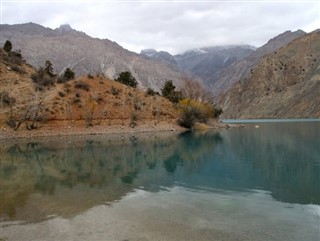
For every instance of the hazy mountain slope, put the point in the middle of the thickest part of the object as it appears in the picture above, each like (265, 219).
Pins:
(66, 47)
(284, 84)
(161, 55)
(221, 80)
(205, 62)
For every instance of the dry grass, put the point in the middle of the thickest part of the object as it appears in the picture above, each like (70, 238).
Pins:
(65, 102)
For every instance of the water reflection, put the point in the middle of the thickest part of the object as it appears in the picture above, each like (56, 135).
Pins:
(108, 166)
(283, 158)
(67, 176)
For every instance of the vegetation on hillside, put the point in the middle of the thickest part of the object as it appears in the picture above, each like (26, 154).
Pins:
(7, 46)
(168, 91)
(193, 101)
(127, 78)
(47, 97)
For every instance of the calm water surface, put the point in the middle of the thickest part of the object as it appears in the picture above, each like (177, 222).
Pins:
(237, 184)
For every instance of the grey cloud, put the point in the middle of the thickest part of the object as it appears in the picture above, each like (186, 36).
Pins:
(171, 26)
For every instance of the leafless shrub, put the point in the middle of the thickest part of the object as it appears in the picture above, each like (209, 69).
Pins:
(41, 78)
(195, 90)
(6, 98)
(133, 120)
(100, 99)
(18, 69)
(33, 116)
(76, 100)
(151, 92)
(82, 85)
(114, 91)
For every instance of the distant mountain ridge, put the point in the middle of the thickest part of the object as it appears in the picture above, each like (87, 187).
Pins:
(202, 63)
(161, 56)
(66, 47)
(221, 66)
(205, 62)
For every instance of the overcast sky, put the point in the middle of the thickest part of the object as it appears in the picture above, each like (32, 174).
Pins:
(170, 25)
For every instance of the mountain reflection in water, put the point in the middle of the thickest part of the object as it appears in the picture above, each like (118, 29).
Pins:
(67, 176)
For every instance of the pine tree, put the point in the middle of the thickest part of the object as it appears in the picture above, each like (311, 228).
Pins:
(68, 74)
(7, 46)
(127, 79)
(168, 91)
(48, 68)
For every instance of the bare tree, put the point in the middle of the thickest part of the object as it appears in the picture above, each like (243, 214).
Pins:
(32, 116)
(69, 112)
(89, 108)
(195, 90)
(157, 101)
(123, 103)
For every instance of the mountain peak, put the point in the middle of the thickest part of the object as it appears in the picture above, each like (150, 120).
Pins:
(148, 52)
(64, 28)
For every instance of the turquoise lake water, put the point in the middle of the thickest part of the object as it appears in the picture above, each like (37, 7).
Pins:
(235, 184)
(246, 121)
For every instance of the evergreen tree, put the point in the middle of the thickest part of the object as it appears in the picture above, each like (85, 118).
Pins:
(168, 91)
(7, 46)
(48, 68)
(68, 74)
(127, 79)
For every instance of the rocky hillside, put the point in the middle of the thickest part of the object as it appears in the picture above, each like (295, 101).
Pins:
(224, 78)
(284, 84)
(66, 47)
(89, 100)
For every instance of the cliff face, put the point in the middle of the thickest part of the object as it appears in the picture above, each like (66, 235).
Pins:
(66, 47)
(284, 84)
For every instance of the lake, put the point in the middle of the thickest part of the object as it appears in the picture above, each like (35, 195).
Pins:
(245, 184)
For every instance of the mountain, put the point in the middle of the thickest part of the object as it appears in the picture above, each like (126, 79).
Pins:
(221, 66)
(205, 62)
(161, 55)
(221, 80)
(202, 63)
(283, 84)
(66, 47)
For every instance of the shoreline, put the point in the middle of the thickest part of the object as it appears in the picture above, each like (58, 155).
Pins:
(63, 129)
(53, 131)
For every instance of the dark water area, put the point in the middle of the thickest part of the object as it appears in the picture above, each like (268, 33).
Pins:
(254, 170)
